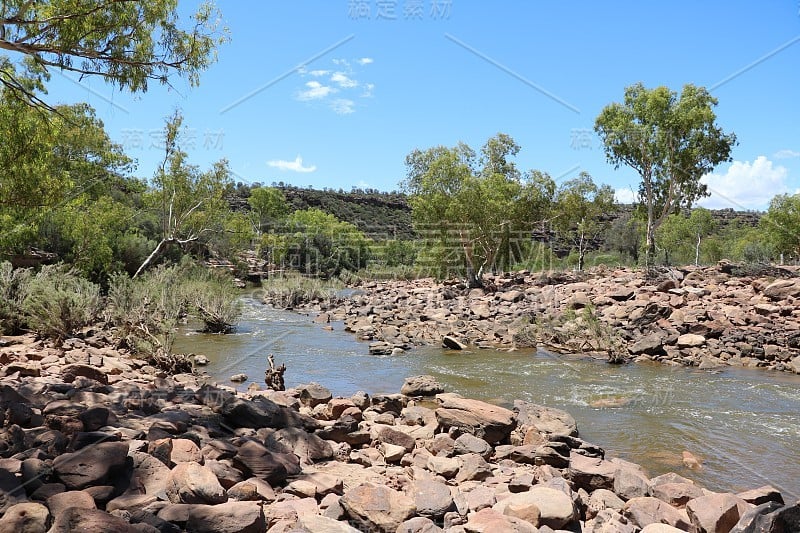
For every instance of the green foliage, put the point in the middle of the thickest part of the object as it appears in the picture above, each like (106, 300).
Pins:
(14, 287)
(582, 208)
(125, 43)
(210, 294)
(317, 243)
(781, 225)
(681, 237)
(471, 210)
(624, 236)
(190, 205)
(49, 162)
(670, 141)
(397, 252)
(290, 290)
(268, 205)
(59, 302)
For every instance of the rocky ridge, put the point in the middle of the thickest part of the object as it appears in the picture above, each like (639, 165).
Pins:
(93, 440)
(709, 317)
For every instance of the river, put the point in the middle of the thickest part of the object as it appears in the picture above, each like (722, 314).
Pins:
(744, 423)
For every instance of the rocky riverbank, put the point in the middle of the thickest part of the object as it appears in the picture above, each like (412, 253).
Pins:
(94, 440)
(708, 317)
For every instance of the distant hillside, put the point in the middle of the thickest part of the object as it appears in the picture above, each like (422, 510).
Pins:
(387, 215)
(381, 215)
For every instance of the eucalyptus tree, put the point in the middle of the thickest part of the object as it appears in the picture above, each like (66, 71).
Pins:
(583, 210)
(472, 206)
(126, 42)
(671, 141)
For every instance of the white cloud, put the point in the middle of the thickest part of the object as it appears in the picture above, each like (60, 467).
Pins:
(786, 154)
(745, 185)
(294, 166)
(343, 81)
(337, 87)
(343, 106)
(626, 196)
(315, 91)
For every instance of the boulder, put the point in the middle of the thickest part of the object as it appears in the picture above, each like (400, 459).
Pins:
(714, 513)
(490, 521)
(27, 517)
(310, 448)
(770, 517)
(257, 413)
(58, 503)
(431, 498)
(602, 499)
(451, 343)
(231, 517)
(468, 443)
(418, 524)
(78, 519)
(314, 394)
(473, 468)
(489, 422)
(91, 465)
(630, 481)
(660, 528)
(545, 419)
(647, 510)
(677, 494)
(194, 483)
(782, 289)
(254, 459)
(556, 509)
(651, 344)
(761, 495)
(591, 473)
(377, 507)
(323, 524)
(149, 473)
(691, 340)
(421, 386)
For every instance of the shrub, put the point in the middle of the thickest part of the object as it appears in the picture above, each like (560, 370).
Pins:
(292, 290)
(145, 311)
(59, 302)
(210, 294)
(14, 285)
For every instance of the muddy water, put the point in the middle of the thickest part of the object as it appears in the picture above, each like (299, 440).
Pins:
(745, 424)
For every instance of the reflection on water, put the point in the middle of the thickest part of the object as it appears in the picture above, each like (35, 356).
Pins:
(745, 424)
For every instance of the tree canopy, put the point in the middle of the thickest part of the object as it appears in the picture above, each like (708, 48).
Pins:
(582, 212)
(782, 225)
(473, 209)
(671, 141)
(126, 42)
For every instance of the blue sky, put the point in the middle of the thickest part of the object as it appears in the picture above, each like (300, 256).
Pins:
(335, 93)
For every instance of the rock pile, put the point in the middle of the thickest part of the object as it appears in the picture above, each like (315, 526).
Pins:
(705, 317)
(93, 441)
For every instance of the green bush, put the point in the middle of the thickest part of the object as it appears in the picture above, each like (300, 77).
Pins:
(145, 311)
(292, 290)
(14, 285)
(59, 302)
(211, 294)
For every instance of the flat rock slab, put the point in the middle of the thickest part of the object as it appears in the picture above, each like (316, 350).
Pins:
(489, 422)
